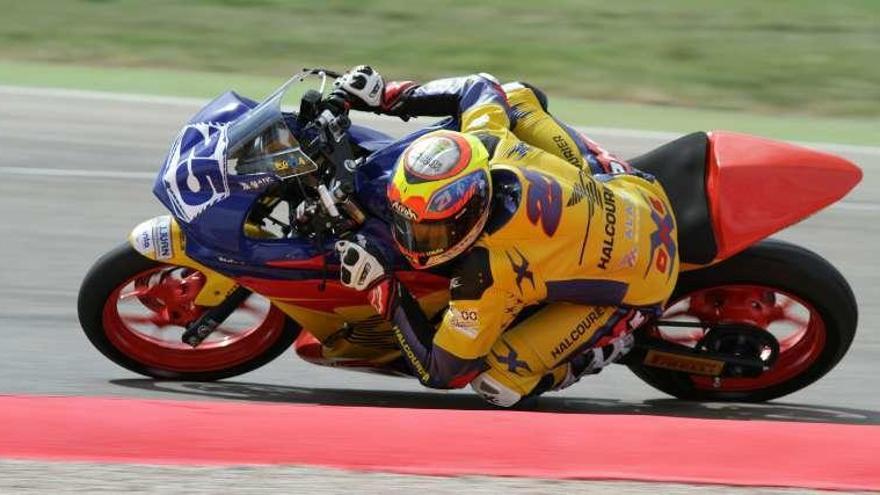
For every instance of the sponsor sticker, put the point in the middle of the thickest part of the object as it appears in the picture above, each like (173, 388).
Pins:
(630, 219)
(256, 184)
(466, 322)
(432, 157)
(663, 246)
(610, 207)
(142, 238)
(153, 238)
(566, 150)
(403, 210)
(162, 238)
(629, 259)
(687, 364)
(573, 339)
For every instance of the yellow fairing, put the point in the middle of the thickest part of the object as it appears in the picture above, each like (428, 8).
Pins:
(161, 239)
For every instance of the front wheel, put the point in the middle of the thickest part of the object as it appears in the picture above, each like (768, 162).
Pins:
(786, 290)
(134, 311)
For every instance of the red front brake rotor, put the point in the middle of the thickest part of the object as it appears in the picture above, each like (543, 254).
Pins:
(171, 295)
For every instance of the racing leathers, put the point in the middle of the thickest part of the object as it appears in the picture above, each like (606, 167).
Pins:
(578, 250)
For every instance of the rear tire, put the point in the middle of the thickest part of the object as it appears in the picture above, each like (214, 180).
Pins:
(793, 270)
(113, 271)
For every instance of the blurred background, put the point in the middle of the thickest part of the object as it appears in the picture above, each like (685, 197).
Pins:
(802, 69)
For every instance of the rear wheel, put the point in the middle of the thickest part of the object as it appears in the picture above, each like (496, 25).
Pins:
(134, 310)
(776, 287)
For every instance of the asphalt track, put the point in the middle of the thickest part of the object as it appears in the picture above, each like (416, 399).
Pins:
(79, 477)
(75, 176)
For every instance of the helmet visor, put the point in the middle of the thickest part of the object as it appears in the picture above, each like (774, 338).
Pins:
(431, 237)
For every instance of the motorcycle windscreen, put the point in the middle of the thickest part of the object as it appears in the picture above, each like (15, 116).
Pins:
(274, 151)
(260, 142)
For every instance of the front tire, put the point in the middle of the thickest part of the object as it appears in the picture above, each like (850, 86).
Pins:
(148, 342)
(795, 276)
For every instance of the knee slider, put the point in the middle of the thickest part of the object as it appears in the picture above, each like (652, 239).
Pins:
(494, 392)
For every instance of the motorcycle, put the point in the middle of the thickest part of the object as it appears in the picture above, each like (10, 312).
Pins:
(244, 268)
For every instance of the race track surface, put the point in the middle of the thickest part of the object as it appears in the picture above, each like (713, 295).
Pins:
(78, 478)
(76, 175)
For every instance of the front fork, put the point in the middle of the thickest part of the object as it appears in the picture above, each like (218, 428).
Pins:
(162, 240)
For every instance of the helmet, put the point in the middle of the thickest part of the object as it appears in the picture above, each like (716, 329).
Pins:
(439, 197)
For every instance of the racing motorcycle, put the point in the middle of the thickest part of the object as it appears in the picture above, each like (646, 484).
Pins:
(244, 267)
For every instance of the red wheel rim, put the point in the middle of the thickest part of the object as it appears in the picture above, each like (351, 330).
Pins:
(145, 318)
(796, 324)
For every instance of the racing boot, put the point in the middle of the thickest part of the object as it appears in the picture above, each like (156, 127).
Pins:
(592, 361)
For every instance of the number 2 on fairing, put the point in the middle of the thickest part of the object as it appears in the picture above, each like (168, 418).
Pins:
(543, 201)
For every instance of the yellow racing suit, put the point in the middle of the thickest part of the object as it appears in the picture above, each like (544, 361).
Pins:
(577, 240)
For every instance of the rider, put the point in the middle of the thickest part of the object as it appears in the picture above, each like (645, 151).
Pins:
(529, 214)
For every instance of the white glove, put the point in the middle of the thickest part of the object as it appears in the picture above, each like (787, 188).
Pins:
(365, 84)
(361, 266)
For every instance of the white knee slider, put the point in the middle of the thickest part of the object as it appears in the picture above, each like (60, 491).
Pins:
(494, 392)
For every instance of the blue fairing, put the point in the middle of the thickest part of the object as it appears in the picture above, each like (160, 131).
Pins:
(369, 139)
(211, 204)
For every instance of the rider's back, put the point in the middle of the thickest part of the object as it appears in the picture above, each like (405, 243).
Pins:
(564, 235)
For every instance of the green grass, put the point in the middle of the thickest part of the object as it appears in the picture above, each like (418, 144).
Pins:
(797, 57)
(164, 82)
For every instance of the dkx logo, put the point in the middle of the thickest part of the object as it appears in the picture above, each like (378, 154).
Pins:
(662, 259)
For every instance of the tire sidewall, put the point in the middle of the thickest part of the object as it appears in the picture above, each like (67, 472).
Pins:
(120, 265)
(791, 269)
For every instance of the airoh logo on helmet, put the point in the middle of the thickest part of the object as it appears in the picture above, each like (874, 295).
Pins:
(403, 210)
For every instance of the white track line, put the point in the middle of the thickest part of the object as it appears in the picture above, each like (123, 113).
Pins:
(101, 95)
(115, 174)
(170, 100)
(76, 173)
(180, 101)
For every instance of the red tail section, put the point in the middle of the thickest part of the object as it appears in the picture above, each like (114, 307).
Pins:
(757, 186)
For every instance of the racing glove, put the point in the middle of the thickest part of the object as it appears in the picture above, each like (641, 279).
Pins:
(371, 93)
(362, 265)
(363, 268)
(365, 84)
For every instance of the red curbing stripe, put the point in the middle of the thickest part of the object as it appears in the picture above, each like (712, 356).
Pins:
(443, 442)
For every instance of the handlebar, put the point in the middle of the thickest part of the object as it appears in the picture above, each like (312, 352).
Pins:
(323, 122)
